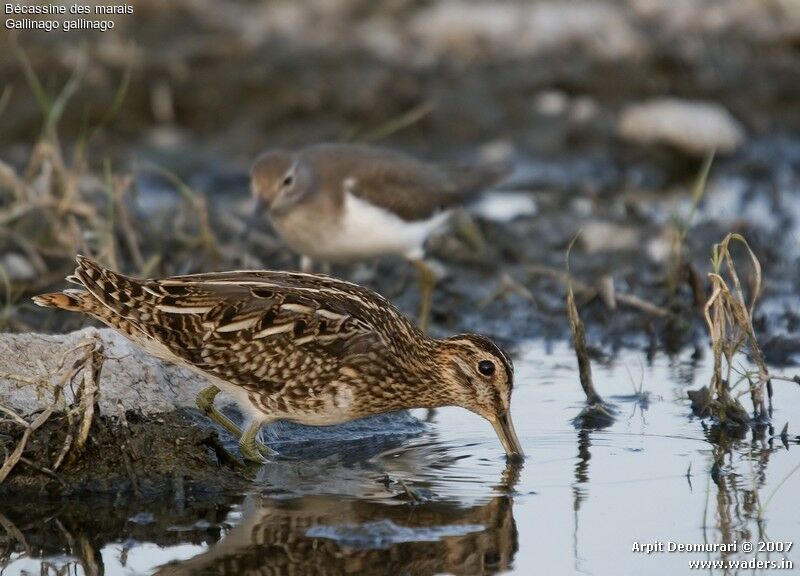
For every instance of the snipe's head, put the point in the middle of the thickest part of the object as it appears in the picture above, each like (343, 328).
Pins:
(479, 376)
(279, 181)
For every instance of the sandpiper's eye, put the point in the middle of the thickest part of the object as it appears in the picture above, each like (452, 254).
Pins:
(486, 367)
(288, 180)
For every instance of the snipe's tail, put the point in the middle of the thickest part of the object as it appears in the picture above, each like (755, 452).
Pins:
(73, 300)
(102, 292)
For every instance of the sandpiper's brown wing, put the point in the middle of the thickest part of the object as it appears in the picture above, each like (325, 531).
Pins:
(253, 329)
(411, 188)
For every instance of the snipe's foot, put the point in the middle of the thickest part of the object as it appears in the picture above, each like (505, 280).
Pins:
(251, 448)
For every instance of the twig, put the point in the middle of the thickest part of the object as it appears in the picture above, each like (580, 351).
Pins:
(405, 120)
(94, 358)
(41, 470)
(14, 416)
(16, 455)
(579, 339)
(578, 286)
(91, 377)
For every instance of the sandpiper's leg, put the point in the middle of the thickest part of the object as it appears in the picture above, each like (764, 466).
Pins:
(205, 401)
(306, 264)
(427, 280)
(251, 448)
(468, 230)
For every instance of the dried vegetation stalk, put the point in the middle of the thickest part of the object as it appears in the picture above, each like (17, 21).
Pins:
(80, 415)
(729, 318)
(597, 413)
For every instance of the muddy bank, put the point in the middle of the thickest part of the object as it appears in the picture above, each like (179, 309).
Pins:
(171, 457)
(89, 413)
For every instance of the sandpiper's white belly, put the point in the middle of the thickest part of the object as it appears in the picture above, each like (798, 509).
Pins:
(364, 231)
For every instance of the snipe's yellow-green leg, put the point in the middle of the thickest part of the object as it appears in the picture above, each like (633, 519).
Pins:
(250, 448)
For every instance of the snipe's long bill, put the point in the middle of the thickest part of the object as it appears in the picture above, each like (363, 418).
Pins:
(294, 346)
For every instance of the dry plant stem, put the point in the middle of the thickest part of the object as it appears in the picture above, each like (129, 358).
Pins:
(730, 325)
(64, 450)
(16, 455)
(44, 471)
(83, 550)
(578, 286)
(15, 533)
(91, 378)
(91, 362)
(397, 124)
(579, 337)
(124, 219)
(127, 457)
(579, 341)
(746, 314)
(676, 262)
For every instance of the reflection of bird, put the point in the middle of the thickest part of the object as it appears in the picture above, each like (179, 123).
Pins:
(343, 202)
(295, 346)
(273, 539)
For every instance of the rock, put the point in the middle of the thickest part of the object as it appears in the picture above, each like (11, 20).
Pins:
(505, 206)
(17, 268)
(136, 379)
(693, 127)
(551, 103)
(602, 236)
(584, 109)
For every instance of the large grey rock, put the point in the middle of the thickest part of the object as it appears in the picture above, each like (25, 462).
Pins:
(693, 127)
(130, 376)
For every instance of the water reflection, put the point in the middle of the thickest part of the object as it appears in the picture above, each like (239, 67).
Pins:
(95, 536)
(398, 496)
(734, 467)
(738, 507)
(579, 492)
(273, 538)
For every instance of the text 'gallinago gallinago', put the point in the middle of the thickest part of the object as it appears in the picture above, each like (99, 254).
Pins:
(295, 346)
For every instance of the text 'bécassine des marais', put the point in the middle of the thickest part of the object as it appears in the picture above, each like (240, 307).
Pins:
(46, 9)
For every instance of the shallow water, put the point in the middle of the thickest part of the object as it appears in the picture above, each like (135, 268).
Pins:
(432, 498)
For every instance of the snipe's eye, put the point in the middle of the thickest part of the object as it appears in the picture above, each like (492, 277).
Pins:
(288, 180)
(486, 367)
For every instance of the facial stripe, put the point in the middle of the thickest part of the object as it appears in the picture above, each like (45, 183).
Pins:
(488, 346)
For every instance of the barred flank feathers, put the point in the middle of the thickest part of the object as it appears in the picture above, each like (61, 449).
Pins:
(113, 290)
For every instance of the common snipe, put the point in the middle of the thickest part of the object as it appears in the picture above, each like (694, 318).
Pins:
(296, 346)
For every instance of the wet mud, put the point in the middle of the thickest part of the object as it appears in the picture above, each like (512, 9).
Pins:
(170, 457)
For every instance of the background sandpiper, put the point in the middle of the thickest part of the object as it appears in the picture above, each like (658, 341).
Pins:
(344, 202)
